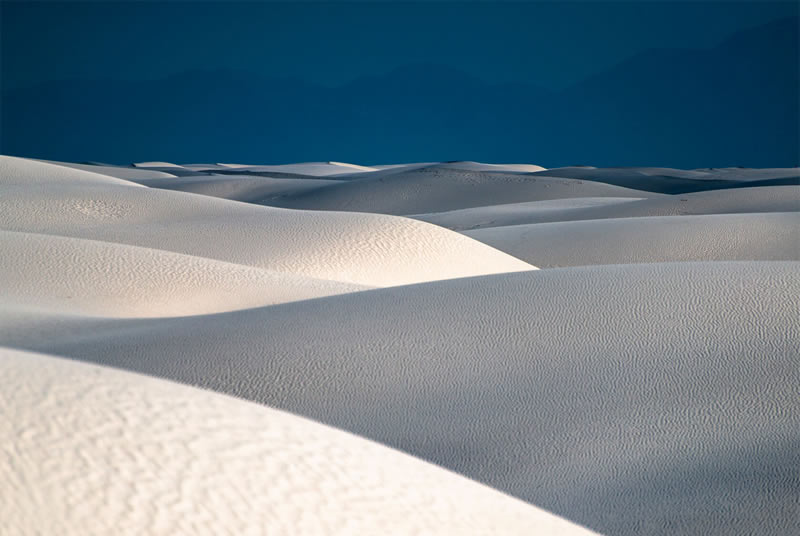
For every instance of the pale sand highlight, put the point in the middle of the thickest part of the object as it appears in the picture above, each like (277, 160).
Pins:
(101, 451)
(362, 249)
(65, 275)
(656, 397)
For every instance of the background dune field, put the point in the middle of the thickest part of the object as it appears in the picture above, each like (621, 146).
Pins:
(300, 346)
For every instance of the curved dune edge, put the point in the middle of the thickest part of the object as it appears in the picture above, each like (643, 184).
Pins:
(440, 187)
(101, 451)
(489, 216)
(16, 171)
(361, 249)
(86, 277)
(620, 396)
(766, 236)
(757, 199)
(132, 174)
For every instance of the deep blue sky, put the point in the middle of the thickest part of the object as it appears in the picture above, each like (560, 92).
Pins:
(683, 84)
(547, 43)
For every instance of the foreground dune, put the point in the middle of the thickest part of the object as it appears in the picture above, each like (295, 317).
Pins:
(76, 276)
(653, 398)
(361, 249)
(101, 451)
(439, 187)
(773, 236)
(634, 396)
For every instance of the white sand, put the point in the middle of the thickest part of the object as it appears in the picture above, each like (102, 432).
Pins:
(362, 249)
(667, 180)
(516, 213)
(730, 201)
(101, 451)
(439, 187)
(77, 276)
(479, 166)
(722, 237)
(249, 189)
(657, 396)
(32, 174)
(128, 173)
(155, 164)
(315, 169)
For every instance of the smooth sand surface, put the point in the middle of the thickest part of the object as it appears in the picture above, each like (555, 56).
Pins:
(316, 169)
(155, 164)
(480, 166)
(634, 396)
(102, 451)
(438, 188)
(652, 398)
(515, 213)
(249, 189)
(77, 276)
(362, 249)
(771, 236)
(728, 201)
(676, 181)
(128, 173)
(33, 174)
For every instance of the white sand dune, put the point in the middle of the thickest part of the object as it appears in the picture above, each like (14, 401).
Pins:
(653, 398)
(362, 249)
(315, 169)
(249, 189)
(720, 237)
(33, 174)
(464, 165)
(671, 181)
(156, 164)
(479, 166)
(440, 188)
(77, 276)
(635, 397)
(515, 213)
(729, 201)
(128, 173)
(101, 451)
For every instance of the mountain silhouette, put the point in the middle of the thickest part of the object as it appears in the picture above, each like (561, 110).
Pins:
(732, 105)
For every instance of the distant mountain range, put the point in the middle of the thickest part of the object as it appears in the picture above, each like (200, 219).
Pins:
(733, 105)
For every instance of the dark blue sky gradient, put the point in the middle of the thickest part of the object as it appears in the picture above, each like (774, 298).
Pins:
(551, 44)
(679, 84)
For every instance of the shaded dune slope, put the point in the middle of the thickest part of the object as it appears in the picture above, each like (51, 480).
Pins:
(721, 237)
(680, 181)
(435, 189)
(32, 174)
(658, 398)
(516, 213)
(248, 189)
(77, 276)
(100, 451)
(731, 201)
